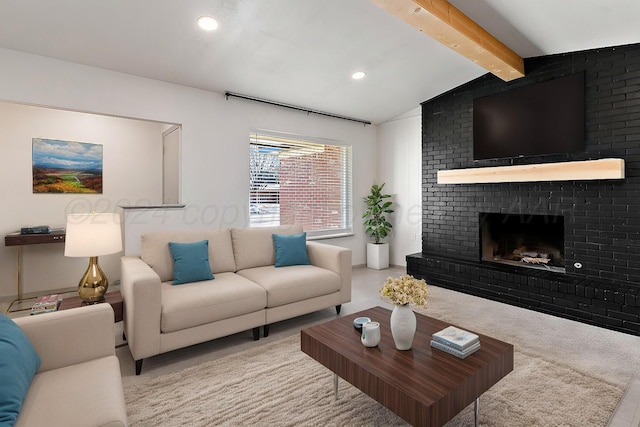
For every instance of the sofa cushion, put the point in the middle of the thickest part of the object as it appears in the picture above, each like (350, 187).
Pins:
(294, 283)
(155, 250)
(200, 303)
(253, 247)
(190, 262)
(290, 249)
(80, 395)
(18, 364)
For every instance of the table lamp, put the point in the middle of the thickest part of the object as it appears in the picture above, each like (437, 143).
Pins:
(92, 235)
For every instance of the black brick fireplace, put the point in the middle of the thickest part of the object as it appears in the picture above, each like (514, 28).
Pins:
(591, 237)
(529, 241)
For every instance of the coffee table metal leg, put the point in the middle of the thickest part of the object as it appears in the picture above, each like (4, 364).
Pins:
(476, 410)
(335, 386)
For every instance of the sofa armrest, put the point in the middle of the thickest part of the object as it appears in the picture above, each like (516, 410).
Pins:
(141, 293)
(336, 259)
(73, 336)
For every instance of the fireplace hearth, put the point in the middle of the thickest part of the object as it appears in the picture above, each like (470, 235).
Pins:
(531, 241)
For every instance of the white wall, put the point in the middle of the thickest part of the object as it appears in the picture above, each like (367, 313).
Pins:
(214, 145)
(125, 178)
(399, 149)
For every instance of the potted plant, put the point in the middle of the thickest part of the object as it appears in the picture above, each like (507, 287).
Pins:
(401, 292)
(377, 226)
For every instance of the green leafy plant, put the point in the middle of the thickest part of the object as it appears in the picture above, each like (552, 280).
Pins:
(374, 217)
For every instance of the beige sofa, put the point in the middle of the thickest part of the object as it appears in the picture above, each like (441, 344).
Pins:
(79, 382)
(248, 291)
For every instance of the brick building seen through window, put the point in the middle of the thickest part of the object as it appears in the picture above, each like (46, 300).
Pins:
(293, 180)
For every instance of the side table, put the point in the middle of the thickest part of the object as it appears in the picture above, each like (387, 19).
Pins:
(114, 298)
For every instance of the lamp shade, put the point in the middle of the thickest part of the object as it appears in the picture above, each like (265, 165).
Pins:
(92, 235)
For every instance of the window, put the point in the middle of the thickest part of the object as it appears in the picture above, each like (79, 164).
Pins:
(294, 180)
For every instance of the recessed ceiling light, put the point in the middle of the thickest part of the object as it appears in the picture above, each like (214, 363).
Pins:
(207, 23)
(358, 75)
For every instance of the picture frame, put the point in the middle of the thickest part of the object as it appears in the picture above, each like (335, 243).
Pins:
(60, 166)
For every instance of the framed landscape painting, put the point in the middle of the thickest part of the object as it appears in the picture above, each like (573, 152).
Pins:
(66, 166)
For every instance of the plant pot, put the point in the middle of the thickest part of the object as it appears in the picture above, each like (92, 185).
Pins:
(378, 256)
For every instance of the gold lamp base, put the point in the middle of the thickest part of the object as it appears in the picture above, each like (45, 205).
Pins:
(93, 284)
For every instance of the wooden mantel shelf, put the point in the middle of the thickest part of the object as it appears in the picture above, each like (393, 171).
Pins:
(563, 171)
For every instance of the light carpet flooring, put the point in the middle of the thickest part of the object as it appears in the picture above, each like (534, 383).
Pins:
(276, 384)
(612, 356)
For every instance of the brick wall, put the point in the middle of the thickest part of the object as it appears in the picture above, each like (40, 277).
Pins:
(310, 191)
(602, 218)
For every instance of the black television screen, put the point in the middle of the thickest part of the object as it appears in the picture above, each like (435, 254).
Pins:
(543, 118)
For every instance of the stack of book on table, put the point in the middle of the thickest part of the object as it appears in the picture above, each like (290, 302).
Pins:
(456, 341)
(45, 304)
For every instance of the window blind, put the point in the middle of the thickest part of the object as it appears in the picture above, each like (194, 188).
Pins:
(293, 180)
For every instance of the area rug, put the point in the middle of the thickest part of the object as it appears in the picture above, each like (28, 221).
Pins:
(276, 384)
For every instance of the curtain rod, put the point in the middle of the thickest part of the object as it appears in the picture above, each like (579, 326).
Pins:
(294, 107)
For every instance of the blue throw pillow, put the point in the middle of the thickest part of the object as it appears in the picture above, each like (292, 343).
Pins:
(190, 262)
(18, 364)
(291, 249)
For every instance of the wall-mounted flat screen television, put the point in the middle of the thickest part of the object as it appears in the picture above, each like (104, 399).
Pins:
(540, 119)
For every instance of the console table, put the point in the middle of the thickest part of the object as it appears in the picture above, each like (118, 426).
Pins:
(20, 240)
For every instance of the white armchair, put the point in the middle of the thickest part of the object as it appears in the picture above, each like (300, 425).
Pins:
(79, 382)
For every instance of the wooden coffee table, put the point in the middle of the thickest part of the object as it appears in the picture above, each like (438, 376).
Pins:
(424, 386)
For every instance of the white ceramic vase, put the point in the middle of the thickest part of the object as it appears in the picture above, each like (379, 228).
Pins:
(403, 326)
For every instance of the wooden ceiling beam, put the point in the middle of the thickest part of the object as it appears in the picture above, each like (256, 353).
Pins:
(442, 21)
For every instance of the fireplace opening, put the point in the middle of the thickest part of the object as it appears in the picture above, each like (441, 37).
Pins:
(533, 241)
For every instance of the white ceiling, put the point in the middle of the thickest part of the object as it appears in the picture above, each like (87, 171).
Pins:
(302, 52)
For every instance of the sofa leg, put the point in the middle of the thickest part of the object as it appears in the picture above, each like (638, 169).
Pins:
(266, 330)
(338, 307)
(138, 366)
(256, 334)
